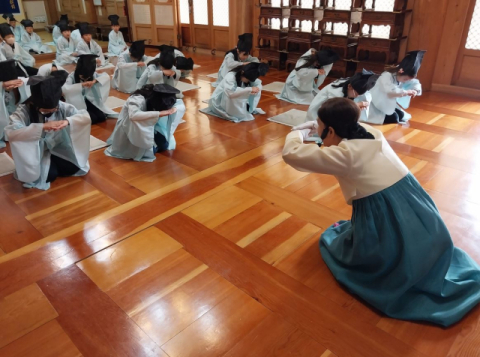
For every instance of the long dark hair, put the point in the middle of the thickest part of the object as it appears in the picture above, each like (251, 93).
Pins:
(342, 115)
(311, 62)
(234, 52)
(343, 85)
(238, 76)
(147, 92)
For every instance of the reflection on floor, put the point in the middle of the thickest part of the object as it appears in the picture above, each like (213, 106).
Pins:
(212, 250)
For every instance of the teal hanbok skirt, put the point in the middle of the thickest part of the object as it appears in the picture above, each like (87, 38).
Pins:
(397, 255)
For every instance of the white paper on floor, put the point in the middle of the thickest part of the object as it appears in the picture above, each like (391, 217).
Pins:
(291, 118)
(213, 75)
(114, 102)
(7, 166)
(275, 87)
(50, 43)
(196, 66)
(107, 66)
(183, 87)
(96, 144)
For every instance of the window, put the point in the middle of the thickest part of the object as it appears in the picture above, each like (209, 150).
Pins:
(184, 12)
(341, 4)
(307, 4)
(473, 38)
(381, 5)
(306, 26)
(379, 31)
(220, 13)
(200, 12)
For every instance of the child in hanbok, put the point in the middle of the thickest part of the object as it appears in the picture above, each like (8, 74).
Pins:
(13, 91)
(237, 97)
(48, 138)
(146, 124)
(396, 252)
(88, 90)
(239, 56)
(184, 65)
(65, 47)
(31, 42)
(396, 88)
(167, 48)
(12, 50)
(309, 74)
(161, 71)
(130, 67)
(48, 68)
(355, 88)
(87, 46)
(56, 32)
(116, 43)
(17, 30)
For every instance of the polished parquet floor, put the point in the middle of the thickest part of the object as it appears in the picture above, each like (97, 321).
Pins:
(212, 250)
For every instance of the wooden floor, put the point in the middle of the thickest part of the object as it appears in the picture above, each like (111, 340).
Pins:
(212, 250)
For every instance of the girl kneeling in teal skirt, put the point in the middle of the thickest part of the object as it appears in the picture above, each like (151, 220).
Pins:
(396, 252)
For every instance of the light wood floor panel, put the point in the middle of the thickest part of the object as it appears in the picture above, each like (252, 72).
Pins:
(48, 340)
(22, 312)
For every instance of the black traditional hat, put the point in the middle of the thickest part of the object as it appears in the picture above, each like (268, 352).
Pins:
(326, 57)
(254, 70)
(5, 30)
(137, 49)
(86, 66)
(114, 20)
(9, 17)
(8, 71)
(84, 28)
(47, 90)
(245, 42)
(364, 81)
(184, 63)
(163, 97)
(167, 59)
(63, 26)
(412, 62)
(27, 23)
(165, 48)
(64, 18)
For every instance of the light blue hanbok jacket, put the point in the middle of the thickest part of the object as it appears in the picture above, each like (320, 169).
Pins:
(84, 49)
(116, 43)
(65, 49)
(133, 136)
(76, 36)
(18, 54)
(32, 147)
(127, 73)
(228, 64)
(229, 101)
(56, 33)
(387, 94)
(154, 75)
(18, 31)
(34, 42)
(302, 86)
(75, 94)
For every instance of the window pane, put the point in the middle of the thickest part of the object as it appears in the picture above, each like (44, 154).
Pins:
(200, 12)
(220, 13)
(307, 4)
(384, 5)
(184, 12)
(379, 31)
(473, 39)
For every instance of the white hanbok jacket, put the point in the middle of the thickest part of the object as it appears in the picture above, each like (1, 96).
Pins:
(127, 73)
(154, 75)
(231, 102)
(116, 43)
(56, 33)
(65, 49)
(76, 36)
(362, 167)
(75, 94)
(386, 93)
(329, 92)
(18, 32)
(18, 54)
(34, 42)
(302, 86)
(133, 136)
(84, 49)
(228, 64)
(32, 146)
(46, 69)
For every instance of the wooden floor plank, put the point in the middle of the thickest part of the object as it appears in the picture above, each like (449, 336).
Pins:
(22, 312)
(48, 340)
(95, 324)
(330, 325)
